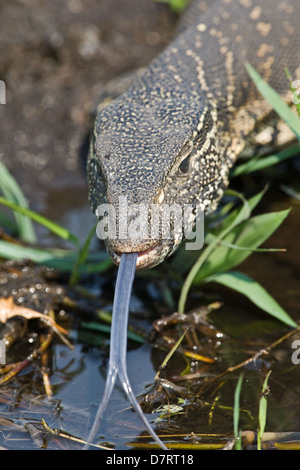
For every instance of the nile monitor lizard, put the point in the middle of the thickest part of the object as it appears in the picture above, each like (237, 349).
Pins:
(176, 132)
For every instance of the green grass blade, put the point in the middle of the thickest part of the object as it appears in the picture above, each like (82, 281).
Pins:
(285, 112)
(250, 249)
(63, 260)
(54, 258)
(242, 215)
(246, 286)
(291, 192)
(60, 231)
(176, 5)
(102, 328)
(12, 191)
(256, 164)
(231, 216)
(262, 413)
(251, 233)
(82, 256)
(170, 354)
(281, 108)
(236, 413)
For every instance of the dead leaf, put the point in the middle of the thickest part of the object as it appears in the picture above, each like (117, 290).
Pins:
(9, 309)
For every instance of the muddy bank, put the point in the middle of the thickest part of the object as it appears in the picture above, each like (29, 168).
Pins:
(55, 59)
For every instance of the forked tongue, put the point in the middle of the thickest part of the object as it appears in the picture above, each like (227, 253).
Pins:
(118, 347)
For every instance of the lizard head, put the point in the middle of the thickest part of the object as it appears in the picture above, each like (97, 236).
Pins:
(152, 155)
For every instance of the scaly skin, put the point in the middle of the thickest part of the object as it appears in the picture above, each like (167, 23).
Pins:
(173, 136)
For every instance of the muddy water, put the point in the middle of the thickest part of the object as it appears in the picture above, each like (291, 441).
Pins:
(44, 124)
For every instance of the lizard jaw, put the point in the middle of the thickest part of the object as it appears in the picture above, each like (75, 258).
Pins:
(148, 258)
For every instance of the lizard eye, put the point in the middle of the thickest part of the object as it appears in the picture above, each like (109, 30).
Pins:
(184, 165)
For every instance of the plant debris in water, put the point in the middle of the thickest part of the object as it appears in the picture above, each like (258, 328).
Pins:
(8, 309)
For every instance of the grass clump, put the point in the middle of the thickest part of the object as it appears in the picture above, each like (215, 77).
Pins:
(24, 245)
(239, 233)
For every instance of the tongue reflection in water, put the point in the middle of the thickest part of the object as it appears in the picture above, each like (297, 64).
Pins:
(118, 346)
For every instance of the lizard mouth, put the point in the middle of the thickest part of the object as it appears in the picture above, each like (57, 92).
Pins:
(146, 259)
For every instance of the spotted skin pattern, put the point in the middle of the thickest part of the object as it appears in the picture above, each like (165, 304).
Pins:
(174, 134)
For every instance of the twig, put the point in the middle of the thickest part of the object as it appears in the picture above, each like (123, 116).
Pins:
(263, 351)
(45, 374)
(29, 359)
(9, 309)
(59, 433)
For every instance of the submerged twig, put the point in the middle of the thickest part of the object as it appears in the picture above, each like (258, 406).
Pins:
(17, 367)
(206, 441)
(9, 309)
(63, 434)
(262, 352)
(45, 374)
